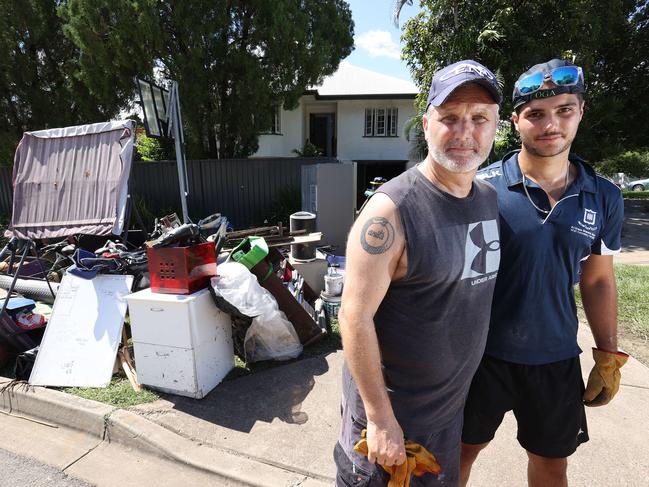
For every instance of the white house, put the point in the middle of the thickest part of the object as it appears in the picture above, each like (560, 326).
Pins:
(354, 115)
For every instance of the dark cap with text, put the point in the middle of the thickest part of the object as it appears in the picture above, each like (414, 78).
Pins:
(560, 75)
(448, 79)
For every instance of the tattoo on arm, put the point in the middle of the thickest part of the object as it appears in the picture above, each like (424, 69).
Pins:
(377, 235)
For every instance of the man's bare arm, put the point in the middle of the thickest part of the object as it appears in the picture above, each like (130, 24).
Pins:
(599, 295)
(374, 248)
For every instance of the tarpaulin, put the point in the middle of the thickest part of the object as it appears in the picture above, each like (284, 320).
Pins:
(72, 180)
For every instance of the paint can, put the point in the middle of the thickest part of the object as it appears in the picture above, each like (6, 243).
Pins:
(331, 305)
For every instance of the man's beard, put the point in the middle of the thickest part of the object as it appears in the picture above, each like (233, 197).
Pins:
(455, 166)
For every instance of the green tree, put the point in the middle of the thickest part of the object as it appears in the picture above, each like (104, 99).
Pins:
(36, 89)
(608, 38)
(234, 60)
(632, 163)
(152, 149)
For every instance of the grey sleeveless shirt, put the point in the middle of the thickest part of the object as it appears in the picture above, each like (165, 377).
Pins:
(432, 324)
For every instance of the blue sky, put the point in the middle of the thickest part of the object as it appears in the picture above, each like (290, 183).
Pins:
(377, 41)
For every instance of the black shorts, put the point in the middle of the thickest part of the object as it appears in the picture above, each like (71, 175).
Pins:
(546, 400)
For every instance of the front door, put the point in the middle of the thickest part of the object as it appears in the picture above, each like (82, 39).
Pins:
(322, 132)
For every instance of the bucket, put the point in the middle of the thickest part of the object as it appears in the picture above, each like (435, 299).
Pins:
(331, 305)
(333, 283)
(303, 220)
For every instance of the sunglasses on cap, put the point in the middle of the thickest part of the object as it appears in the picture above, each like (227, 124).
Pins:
(561, 76)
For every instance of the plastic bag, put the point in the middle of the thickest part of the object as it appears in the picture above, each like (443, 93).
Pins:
(239, 287)
(270, 336)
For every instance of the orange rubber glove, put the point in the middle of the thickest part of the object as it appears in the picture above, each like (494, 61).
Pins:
(418, 462)
(604, 379)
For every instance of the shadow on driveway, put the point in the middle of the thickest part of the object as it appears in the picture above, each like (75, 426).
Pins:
(275, 393)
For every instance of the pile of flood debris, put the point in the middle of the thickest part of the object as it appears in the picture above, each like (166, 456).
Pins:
(197, 293)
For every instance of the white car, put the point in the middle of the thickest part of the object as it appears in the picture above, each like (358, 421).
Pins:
(638, 184)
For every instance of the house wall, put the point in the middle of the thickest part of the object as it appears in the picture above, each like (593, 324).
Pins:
(352, 145)
(350, 122)
(292, 135)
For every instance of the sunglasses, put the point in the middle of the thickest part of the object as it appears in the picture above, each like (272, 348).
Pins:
(563, 76)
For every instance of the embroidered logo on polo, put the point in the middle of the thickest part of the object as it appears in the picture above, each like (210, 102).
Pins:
(587, 226)
(481, 252)
(589, 216)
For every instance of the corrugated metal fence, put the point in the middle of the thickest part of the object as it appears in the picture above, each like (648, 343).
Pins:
(242, 189)
(6, 191)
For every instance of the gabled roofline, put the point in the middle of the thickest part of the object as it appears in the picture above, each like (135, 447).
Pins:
(360, 96)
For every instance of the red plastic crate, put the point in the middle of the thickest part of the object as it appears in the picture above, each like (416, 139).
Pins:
(181, 270)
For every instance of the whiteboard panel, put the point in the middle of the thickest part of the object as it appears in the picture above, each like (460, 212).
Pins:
(84, 331)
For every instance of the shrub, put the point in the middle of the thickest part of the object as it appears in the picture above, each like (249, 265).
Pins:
(506, 141)
(150, 149)
(636, 195)
(633, 163)
(309, 150)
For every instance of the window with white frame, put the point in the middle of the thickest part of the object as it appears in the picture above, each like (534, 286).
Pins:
(392, 122)
(381, 122)
(276, 125)
(369, 122)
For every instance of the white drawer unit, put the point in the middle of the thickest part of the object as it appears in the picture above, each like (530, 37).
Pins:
(182, 343)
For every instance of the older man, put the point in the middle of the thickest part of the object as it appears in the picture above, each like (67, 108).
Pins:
(421, 265)
(560, 225)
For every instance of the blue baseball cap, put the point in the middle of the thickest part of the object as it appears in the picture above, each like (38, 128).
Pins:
(448, 79)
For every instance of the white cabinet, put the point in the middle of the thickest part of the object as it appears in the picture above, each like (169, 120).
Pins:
(182, 343)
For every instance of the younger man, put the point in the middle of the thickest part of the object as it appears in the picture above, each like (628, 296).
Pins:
(560, 225)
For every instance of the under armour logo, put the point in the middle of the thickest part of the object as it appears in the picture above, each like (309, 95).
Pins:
(468, 68)
(482, 249)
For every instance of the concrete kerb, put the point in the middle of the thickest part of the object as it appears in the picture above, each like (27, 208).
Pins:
(112, 424)
(127, 427)
(54, 407)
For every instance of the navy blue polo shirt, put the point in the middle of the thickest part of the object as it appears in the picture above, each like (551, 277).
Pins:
(533, 316)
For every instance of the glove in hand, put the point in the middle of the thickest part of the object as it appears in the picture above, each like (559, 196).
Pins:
(418, 462)
(604, 379)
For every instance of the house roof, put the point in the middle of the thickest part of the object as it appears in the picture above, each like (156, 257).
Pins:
(352, 82)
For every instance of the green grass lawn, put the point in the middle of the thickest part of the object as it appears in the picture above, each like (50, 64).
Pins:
(633, 299)
(119, 393)
(636, 195)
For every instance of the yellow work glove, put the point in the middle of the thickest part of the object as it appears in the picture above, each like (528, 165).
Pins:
(604, 379)
(418, 462)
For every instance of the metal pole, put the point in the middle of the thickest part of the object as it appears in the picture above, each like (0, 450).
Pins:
(176, 122)
(26, 245)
